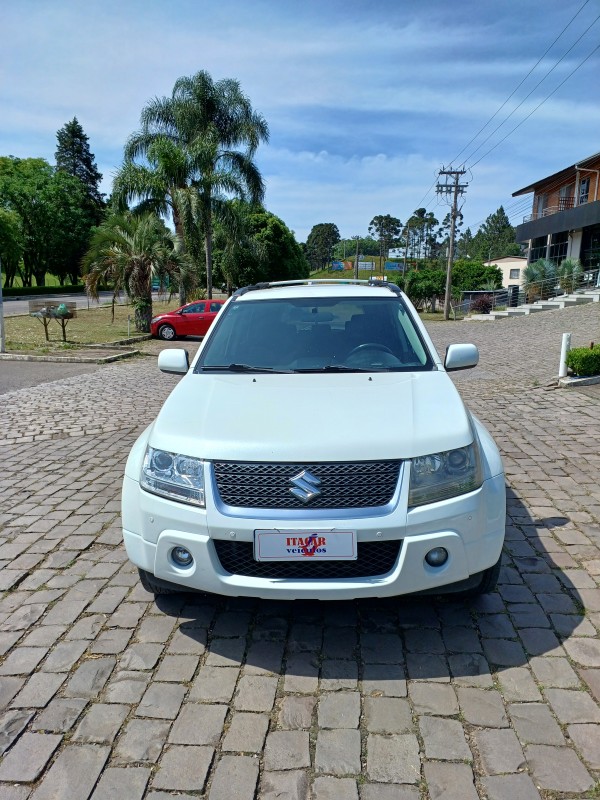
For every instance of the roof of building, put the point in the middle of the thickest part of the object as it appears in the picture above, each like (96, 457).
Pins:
(557, 176)
(505, 258)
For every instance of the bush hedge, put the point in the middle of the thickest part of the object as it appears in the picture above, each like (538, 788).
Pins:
(584, 361)
(27, 291)
(482, 304)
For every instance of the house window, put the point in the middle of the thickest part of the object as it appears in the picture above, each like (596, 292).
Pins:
(584, 190)
(514, 274)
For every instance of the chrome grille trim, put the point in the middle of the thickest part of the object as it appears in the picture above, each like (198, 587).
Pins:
(344, 485)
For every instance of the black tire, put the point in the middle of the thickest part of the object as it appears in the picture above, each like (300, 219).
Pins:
(489, 579)
(157, 586)
(167, 332)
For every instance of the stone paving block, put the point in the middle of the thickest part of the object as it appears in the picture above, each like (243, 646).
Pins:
(557, 769)
(461, 640)
(482, 707)
(337, 674)
(516, 685)
(585, 652)
(510, 787)
(38, 691)
(126, 687)
(504, 652)
(500, 751)
(183, 769)
(64, 656)
(64, 612)
(235, 776)
(246, 733)
(534, 724)
(177, 668)
(89, 678)
(572, 706)
(264, 658)
(384, 680)
(450, 782)
(114, 640)
(444, 739)
(381, 648)
(127, 615)
(28, 758)
(12, 724)
(161, 700)
(142, 740)
(60, 715)
(154, 628)
(118, 782)
(296, 712)
(433, 698)
(73, 774)
(327, 788)
(14, 792)
(198, 724)
(141, 656)
(101, 723)
(425, 667)
(339, 710)
(214, 684)
(393, 759)
(86, 628)
(383, 791)
(387, 715)
(225, 652)
(591, 677)
(338, 752)
(470, 670)
(554, 672)
(286, 750)
(188, 642)
(255, 693)
(22, 660)
(293, 785)
(587, 740)
(302, 674)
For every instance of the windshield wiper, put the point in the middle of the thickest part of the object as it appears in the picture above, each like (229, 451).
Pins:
(240, 368)
(332, 368)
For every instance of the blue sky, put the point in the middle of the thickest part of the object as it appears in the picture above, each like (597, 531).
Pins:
(365, 100)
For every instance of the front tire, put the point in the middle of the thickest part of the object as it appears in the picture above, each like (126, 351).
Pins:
(156, 586)
(167, 332)
(489, 579)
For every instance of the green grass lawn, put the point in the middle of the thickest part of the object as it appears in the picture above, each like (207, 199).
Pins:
(93, 326)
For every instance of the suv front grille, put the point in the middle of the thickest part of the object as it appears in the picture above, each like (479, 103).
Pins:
(359, 484)
(374, 559)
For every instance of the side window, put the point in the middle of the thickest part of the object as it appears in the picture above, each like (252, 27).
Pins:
(196, 308)
(215, 306)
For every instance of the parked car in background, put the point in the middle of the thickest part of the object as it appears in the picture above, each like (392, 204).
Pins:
(192, 319)
(265, 475)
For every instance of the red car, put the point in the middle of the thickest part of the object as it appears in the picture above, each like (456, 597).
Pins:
(192, 319)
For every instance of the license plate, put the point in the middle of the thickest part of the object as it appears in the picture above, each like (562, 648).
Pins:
(303, 545)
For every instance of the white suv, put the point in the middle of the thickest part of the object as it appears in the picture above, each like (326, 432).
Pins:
(316, 448)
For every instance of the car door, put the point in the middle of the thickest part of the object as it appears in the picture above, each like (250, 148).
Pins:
(212, 309)
(191, 319)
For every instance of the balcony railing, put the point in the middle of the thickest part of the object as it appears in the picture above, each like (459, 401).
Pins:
(563, 204)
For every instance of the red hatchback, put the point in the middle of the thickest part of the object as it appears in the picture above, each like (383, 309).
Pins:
(192, 319)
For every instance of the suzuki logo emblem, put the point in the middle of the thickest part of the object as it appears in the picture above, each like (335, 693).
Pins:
(305, 486)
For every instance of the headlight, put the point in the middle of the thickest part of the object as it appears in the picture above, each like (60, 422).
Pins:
(443, 475)
(155, 319)
(174, 476)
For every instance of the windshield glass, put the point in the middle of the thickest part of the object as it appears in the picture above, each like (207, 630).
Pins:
(316, 334)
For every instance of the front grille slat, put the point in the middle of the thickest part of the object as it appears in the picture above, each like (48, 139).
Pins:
(360, 484)
(374, 560)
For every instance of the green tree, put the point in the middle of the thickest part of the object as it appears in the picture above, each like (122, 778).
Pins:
(54, 220)
(469, 275)
(198, 147)
(425, 286)
(539, 279)
(495, 238)
(262, 249)
(387, 230)
(320, 243)
(464, 244)
(74, 157)
(346, 248)
(11, 245)
(126, 252)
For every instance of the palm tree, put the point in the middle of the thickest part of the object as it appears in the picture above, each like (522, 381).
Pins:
(199, 146)
(570, 273)
(127, 251)
(539, 279)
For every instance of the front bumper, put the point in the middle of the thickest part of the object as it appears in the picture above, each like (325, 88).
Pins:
(470, 527)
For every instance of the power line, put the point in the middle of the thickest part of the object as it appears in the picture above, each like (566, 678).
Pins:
(537, 107)
(524, 79)
(497, 128)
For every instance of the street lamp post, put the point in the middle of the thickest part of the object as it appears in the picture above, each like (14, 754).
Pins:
(2, 336)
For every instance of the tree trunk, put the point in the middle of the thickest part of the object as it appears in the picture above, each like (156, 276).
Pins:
(179, 234)
(208, 249)
(143, 312)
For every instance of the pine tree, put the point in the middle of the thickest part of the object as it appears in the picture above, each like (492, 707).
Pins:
(73, 156)
(495, 238)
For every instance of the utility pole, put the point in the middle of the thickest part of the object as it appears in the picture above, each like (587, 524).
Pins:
(356, 260)
(454, 188)
(2, 336)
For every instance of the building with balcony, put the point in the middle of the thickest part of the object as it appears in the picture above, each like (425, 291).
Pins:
(565, 216)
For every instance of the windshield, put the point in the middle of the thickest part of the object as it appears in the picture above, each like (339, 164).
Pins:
(315, 335)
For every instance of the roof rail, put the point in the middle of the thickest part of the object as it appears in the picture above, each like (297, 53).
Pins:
(310, 281)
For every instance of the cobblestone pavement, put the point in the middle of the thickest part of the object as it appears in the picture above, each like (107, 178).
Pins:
(108, 694)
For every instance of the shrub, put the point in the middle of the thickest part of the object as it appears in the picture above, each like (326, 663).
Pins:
(584, 361)
(482, 304)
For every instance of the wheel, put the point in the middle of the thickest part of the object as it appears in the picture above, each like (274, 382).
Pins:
(167, 332)
(156, 585)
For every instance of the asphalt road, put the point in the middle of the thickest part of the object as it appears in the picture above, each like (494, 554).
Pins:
(16, 375)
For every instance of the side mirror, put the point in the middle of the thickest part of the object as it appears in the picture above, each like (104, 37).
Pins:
(175, 361)
(461, 356)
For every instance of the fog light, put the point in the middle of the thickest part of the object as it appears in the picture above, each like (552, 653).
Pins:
(437, 557)
(181, 556)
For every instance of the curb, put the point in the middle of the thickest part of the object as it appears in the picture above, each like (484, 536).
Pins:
(573, 383)
(70, 359)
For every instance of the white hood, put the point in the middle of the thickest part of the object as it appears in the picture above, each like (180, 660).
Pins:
(312, 417)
